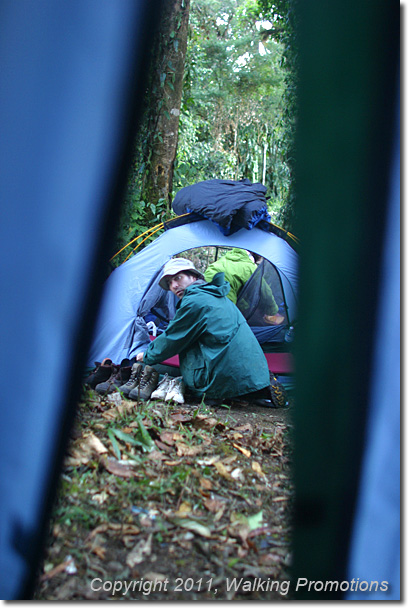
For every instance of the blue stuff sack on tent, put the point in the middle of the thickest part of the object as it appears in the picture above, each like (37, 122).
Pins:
(230, 204)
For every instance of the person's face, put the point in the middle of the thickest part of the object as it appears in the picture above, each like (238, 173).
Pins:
(177, 283)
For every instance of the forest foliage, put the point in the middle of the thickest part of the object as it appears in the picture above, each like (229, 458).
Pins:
(237, 109)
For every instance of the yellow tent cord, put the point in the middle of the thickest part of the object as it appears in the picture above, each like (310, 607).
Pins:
(141, 242)
(296, 239)
(135, 239)
(153, 229)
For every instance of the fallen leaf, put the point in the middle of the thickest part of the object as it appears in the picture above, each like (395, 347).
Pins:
(117, 468)
(181, 417)
(205, 483)
(242, 450)
(241, 525)
(184, 509)
(183, 449)
(54, 571)
(156, 455)
(209, 461)
(141, 550)
(222, 470)
(99, 551)
(229, 459)
(244, 428)
(214, 505)
(255, 521)
(84, 449)
(118, 411)
(257, 468)
(167, 437)
(100, 497)
(93, 442)
(125, 529)
(203, 421)
(194, 526)
(162, 446)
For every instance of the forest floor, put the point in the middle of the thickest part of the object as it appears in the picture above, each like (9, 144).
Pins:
(161, 502)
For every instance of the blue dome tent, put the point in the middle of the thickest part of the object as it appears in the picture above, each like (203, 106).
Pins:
(127, 285)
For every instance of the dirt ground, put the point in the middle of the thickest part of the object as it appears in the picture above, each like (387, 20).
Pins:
(163, 502)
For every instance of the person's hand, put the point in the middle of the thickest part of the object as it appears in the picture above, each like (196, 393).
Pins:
(276, 319)
(140, 356)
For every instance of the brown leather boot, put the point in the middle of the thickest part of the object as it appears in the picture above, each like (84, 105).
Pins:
(100, 374)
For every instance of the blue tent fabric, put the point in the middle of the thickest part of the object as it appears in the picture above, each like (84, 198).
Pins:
(375, 549)
(230, 204)
(127, 284)
(70, 77)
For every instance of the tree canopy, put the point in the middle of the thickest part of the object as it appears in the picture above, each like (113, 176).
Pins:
(231, 116)
(237, 107)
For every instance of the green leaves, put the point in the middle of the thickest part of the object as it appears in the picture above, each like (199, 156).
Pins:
(233, 102)
(142, 439)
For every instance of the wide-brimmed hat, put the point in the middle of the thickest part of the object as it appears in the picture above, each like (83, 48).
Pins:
(174, 266)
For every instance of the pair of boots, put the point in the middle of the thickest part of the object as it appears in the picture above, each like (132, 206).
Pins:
(142, 382)
(107, 376)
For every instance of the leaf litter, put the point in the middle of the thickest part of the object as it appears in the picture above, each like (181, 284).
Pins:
(188, 496)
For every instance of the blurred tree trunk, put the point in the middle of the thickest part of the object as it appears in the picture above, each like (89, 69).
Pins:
(164, 102)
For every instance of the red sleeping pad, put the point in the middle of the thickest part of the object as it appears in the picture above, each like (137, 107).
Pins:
(278, 363)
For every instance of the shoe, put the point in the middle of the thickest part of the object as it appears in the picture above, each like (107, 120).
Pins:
(120, 375)
(162, 389)
(133, 381)
(176, 391)
(278, 394)
(100, 374)
(147, 384)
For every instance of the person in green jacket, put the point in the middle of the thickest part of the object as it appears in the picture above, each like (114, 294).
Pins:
(218, 353)
(238, 267)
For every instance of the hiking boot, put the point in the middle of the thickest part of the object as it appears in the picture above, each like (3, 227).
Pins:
(147, 384)
(120, 375)
(133, 381)
(100, 374)
(102, 387)
(176, 391)
(162, 389)
(278, 394)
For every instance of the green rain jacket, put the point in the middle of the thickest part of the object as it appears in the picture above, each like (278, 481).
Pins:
(218, 354)
(238, 268)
